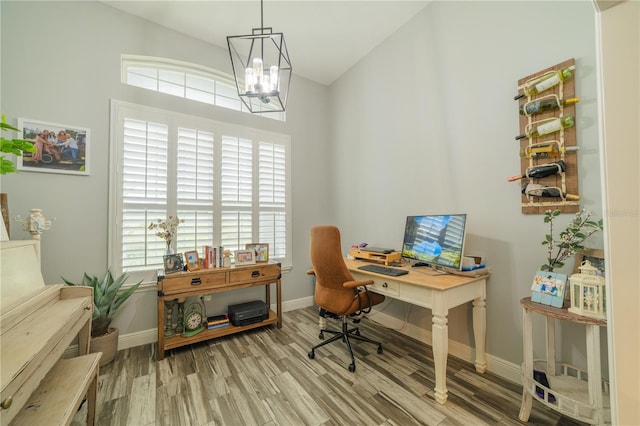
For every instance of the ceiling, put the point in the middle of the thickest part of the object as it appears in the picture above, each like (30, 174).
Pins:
(324, 38)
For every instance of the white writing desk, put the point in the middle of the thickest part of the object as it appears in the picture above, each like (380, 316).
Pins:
(439, 293)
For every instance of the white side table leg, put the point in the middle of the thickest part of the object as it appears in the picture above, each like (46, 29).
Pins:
(527, 367)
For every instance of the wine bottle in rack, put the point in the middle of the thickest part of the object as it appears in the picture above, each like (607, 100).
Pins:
(548, 149)
(548, 127)
(540, 106)
(543, 170)
(547, 81)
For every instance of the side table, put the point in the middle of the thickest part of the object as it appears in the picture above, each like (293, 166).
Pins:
(573, 392)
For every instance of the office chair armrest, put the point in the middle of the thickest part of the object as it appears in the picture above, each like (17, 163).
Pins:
(354, 284)
(311, 272)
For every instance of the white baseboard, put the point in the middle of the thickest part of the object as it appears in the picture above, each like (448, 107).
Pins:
(498, 366)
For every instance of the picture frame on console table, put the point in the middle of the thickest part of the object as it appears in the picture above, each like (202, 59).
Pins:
(260, 251)
(192, 259)
(244, 257)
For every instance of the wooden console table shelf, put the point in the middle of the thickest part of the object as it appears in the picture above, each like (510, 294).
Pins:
(576, 393)
(215, 280)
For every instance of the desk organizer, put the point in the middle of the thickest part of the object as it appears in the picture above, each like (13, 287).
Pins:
(385, 258)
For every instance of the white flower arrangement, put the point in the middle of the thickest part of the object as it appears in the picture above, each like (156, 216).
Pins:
(166, 229)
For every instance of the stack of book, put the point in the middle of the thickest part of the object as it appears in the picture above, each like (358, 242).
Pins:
(217, 321)
(212, 257)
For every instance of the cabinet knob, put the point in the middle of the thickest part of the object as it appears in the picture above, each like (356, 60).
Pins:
(7, 403)
(255, 274)
(385, 285)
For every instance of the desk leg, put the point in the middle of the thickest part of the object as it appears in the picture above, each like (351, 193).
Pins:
(279, 302)
(480, 333)
(440, 334)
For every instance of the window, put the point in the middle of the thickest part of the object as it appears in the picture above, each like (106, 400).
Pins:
(185, 80)
(229, 183)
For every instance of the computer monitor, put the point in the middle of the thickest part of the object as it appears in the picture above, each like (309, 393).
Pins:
(435, 240)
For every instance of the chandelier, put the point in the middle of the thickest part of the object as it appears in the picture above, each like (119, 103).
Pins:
(261, 68)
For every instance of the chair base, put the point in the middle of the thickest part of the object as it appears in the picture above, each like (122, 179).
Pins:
(344, 335)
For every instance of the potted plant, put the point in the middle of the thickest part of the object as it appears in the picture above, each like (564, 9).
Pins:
(106, 301)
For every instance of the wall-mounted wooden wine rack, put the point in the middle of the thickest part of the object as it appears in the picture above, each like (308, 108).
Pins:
(567, 182)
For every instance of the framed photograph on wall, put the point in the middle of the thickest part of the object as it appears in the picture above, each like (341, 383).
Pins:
(60, 148)
(260, 251)
(595, 256)
(192, 259)
(244, 257)
(172, 263)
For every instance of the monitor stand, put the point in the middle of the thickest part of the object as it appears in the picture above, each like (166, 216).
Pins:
(433, 269)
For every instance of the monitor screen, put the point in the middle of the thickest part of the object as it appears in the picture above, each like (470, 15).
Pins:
(437, 240)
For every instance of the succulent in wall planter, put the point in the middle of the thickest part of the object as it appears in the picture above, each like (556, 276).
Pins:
(106, 300)
(569, 241)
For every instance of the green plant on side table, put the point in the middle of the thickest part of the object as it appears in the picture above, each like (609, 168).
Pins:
(570, 240)
(106, 300)
(12, 146)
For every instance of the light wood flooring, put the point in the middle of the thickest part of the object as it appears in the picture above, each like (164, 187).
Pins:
(264, 377)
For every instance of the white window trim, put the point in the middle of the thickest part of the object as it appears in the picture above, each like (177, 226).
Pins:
(121, 110)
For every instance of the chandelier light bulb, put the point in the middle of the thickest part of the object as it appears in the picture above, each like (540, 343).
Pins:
(249, 79)
(274, 78)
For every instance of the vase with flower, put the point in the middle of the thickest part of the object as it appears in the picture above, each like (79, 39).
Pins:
(167, 230)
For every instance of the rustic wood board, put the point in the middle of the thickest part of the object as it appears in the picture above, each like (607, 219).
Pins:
(538, 205)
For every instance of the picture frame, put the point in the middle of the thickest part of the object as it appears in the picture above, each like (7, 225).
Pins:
(549, 288)
(595, 256)
(172, 263)
(192, 260)
(60, 148)
(244, 257)
(260, 251)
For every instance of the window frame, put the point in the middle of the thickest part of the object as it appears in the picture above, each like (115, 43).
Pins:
(121, 110)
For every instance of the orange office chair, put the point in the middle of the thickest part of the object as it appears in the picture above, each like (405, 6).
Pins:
(337, 294)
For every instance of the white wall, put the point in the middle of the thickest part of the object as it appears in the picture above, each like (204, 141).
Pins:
(67, 73)
(426, 124)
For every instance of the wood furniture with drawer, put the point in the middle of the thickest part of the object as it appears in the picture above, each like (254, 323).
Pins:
(37, 324)
(206, 281)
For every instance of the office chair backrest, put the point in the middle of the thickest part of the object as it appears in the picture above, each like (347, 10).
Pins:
(330, 270)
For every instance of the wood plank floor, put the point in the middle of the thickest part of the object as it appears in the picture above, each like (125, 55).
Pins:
(264, 377)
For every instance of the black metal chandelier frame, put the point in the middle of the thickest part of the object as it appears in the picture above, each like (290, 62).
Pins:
(257, 90)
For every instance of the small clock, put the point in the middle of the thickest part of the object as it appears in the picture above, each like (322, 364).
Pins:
(194, 321)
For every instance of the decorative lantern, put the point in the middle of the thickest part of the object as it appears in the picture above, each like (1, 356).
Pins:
(587, 292)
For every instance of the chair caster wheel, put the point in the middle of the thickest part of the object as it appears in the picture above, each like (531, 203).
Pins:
(312, 355)
(321, 335)
(352, 367)
(380, 349)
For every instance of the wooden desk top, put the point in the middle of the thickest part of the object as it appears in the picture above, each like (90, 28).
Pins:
(419, 276)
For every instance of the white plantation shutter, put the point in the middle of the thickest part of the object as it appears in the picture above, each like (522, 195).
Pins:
(229, 184)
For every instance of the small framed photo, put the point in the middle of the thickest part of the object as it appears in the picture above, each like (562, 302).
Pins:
(60, 148)
(549, 288)
(192, 259)
(244, 257)
(596, 257)
(260, 251)
(172, 263)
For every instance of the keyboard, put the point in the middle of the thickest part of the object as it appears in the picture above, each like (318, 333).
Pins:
(384, 270)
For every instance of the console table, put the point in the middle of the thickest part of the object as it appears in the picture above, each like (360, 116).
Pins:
(215, 280)
(572, 392)
(438, 292)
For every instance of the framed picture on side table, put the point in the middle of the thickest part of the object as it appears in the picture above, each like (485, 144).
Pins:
(244, 257)
(595, 256)
(192, 259)
(260, 251)
(172, 263)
